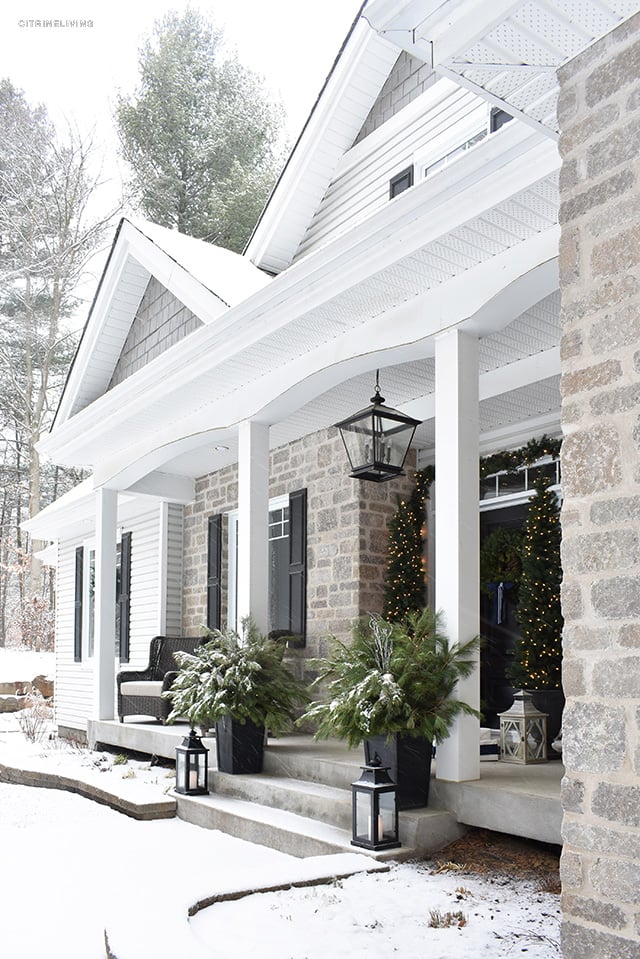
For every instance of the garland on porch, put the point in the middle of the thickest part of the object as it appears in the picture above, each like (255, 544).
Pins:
(510, 461)
(406, 566)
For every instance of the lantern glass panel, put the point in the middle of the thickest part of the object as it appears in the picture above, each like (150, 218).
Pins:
(364, 816)
(536, 739)
(387, 828)
(180, 768)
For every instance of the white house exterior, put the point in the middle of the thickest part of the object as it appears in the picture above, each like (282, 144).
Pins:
(413, 231)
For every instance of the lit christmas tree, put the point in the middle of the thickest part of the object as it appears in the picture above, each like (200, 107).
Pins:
(406, 566)
(538, 653)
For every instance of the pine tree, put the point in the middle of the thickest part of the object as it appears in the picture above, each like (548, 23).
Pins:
(538, 654)
(405, 576)
(201, 137)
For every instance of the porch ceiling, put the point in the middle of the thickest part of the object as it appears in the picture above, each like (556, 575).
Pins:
(507, 50)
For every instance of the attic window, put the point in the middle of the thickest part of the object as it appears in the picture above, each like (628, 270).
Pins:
(497, 119)
(401, 182)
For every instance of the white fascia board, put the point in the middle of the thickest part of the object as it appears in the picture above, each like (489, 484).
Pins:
(507, 163)
(273, 226)
(94, 326)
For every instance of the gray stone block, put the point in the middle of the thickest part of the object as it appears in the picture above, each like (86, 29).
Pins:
(618, 803)
(594, 910)
(582, 942)
(594, 737)
(617, 879)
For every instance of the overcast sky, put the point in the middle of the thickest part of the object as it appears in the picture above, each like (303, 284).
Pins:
(77, 70)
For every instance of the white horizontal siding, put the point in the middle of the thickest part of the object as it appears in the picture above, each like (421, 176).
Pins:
(431, 126)
(174, 569)
(74, 681)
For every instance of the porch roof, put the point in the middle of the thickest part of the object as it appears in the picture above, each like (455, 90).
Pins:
(506, 51)
(475, 246)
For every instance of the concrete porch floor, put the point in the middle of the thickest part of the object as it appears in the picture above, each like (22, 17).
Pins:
(509, 798)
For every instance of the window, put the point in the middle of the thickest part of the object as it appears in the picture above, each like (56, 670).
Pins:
(444, 161)
(401, 182)
(85, 600)
(521, 482)
(498, 118)
(287, 564)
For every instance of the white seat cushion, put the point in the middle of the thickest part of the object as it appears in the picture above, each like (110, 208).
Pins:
(147, 687)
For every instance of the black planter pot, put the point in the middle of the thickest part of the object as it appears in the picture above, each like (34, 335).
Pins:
(239, 746)
(409, 761)
(550, 701)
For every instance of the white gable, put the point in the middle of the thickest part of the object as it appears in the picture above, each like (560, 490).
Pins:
(209, 280)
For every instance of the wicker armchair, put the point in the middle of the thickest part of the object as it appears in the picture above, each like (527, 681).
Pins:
(140, 690)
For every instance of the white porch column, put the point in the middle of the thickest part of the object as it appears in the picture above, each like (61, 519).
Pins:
(105, 604)
(253, 523)
(457, 531)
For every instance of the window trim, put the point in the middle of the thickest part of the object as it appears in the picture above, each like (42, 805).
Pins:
(405, 175)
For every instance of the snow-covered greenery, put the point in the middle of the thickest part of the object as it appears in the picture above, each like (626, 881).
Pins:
(239, 676)
(392, 678)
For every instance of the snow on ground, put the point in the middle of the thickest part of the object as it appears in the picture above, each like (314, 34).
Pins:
(23, 665)
(70, 867)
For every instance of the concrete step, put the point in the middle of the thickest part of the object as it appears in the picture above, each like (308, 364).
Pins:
(329, 763)
(293, 817)
(276, 828)
(313, 800)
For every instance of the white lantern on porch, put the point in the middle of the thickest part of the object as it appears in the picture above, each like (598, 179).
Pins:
(523, 732)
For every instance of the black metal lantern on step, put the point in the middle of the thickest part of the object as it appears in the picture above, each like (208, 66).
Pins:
(375, 808)
(377, 440)
(192, 766)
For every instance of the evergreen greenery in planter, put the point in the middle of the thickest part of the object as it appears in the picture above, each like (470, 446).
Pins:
(243, 677)
(392, 678)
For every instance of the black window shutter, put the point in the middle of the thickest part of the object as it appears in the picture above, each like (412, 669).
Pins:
(124, 599)
(298, 564)
(214, 572)
(77, 606)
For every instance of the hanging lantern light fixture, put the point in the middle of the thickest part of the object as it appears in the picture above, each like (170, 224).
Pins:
(377, 439)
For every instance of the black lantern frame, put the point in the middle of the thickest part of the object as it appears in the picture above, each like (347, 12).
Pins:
(192, 766)
(377, 440)
(375, 808)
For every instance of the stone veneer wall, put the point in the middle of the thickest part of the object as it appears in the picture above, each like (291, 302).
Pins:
(599, 114)
(161, 321)
(346, 535)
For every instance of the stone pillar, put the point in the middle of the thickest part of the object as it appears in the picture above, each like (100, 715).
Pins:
(104, 650)
(253, 523)
(598, 111)
(457, 532)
